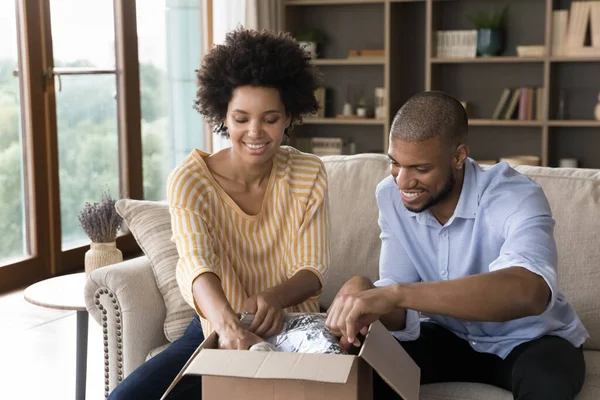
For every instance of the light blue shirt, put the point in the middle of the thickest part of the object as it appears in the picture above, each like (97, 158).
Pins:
(502, 220)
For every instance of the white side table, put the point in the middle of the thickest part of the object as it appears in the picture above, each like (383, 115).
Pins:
(66, 293)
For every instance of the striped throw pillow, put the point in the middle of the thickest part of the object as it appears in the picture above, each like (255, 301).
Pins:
(150, 224)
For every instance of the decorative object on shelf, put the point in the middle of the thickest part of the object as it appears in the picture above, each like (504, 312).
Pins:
(311, 40)
(490, 32)
(568, 163)
(581, 15)
(101, 223)
(361, 109)
(347, 111)
(531, 51)
(456, 44)
(562, 105)
(380, 103)
(366, 54)
(521, 160)
(349, 148)
(597, 109)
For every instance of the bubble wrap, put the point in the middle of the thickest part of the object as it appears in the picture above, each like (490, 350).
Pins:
(304, 333)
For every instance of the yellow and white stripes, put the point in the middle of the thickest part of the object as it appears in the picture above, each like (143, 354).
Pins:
(251, 253)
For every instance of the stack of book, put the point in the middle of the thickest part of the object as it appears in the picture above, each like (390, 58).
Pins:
(569, 29)
(320, 146)
(524, 104)
(456, 44)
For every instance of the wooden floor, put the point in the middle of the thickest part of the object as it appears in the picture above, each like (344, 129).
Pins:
(37, 352)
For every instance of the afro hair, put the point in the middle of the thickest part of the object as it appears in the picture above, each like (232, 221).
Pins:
(261, 59)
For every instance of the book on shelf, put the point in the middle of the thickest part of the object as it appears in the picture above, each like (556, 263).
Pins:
(368, 53)
(582, 15)
(560, 19)
(512, 105)
(595, 24)
(456, 44)
(501, 103)
(577, 24)
(320, 146)
(524, 104)
(539, 103)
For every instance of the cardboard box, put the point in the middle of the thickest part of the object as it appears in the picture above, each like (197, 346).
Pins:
(237, 374)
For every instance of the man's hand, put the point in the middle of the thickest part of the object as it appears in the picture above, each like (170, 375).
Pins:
(355, 285)
(268, 314)
(353, 313)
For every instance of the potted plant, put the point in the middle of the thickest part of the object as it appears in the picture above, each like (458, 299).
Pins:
(361, 109)
(101, 222)
(310, 40)
(490, 32)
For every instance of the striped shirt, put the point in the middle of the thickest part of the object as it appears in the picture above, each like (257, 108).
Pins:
(250, 253)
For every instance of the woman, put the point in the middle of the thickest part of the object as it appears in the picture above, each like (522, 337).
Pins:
(251, 222)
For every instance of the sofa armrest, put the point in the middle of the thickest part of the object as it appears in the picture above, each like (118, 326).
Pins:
(124, 299)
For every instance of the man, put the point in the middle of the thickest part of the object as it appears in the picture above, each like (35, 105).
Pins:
(474, 251)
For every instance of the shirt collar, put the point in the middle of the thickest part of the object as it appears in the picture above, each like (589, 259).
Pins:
(468, 201)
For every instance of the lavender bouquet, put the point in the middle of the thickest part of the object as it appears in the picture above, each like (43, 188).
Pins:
(100, 221)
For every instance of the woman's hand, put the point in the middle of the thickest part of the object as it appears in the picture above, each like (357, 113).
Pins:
(268, 314)
(235, 337)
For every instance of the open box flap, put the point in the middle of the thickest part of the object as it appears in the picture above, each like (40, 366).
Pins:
(386, 356)
(331, 368)
(209, 342)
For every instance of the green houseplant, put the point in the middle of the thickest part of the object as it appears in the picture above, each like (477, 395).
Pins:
(491, 28)
(311, 40)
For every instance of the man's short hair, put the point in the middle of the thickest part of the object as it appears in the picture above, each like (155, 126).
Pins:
(430, 114)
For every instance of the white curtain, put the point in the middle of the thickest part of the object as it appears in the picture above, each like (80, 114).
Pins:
(251, 14)
(264, 14)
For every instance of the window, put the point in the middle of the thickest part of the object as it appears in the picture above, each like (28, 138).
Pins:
(13, 227)
(170, 46)
(83, 37)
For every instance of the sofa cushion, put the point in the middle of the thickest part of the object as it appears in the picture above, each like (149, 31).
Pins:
(478, 391)
(355, 233)
(463, 391)
(574, 196)
(150, 224)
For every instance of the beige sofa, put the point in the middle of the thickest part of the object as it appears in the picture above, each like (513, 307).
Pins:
(125, 298)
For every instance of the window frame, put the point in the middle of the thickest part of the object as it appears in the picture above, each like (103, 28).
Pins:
(40, 150)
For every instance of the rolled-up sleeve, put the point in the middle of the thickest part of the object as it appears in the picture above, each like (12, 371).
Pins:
(529, 240)
(395, 267)
(190, 234)
(311, 249)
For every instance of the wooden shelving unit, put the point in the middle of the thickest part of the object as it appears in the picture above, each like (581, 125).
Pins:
(405, 30)
(343, 121)
(504, 122)
(350, 61)
(487, 60)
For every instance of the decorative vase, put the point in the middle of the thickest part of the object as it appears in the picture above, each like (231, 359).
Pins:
(100, 255)
(597, 109)
(490, 42)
